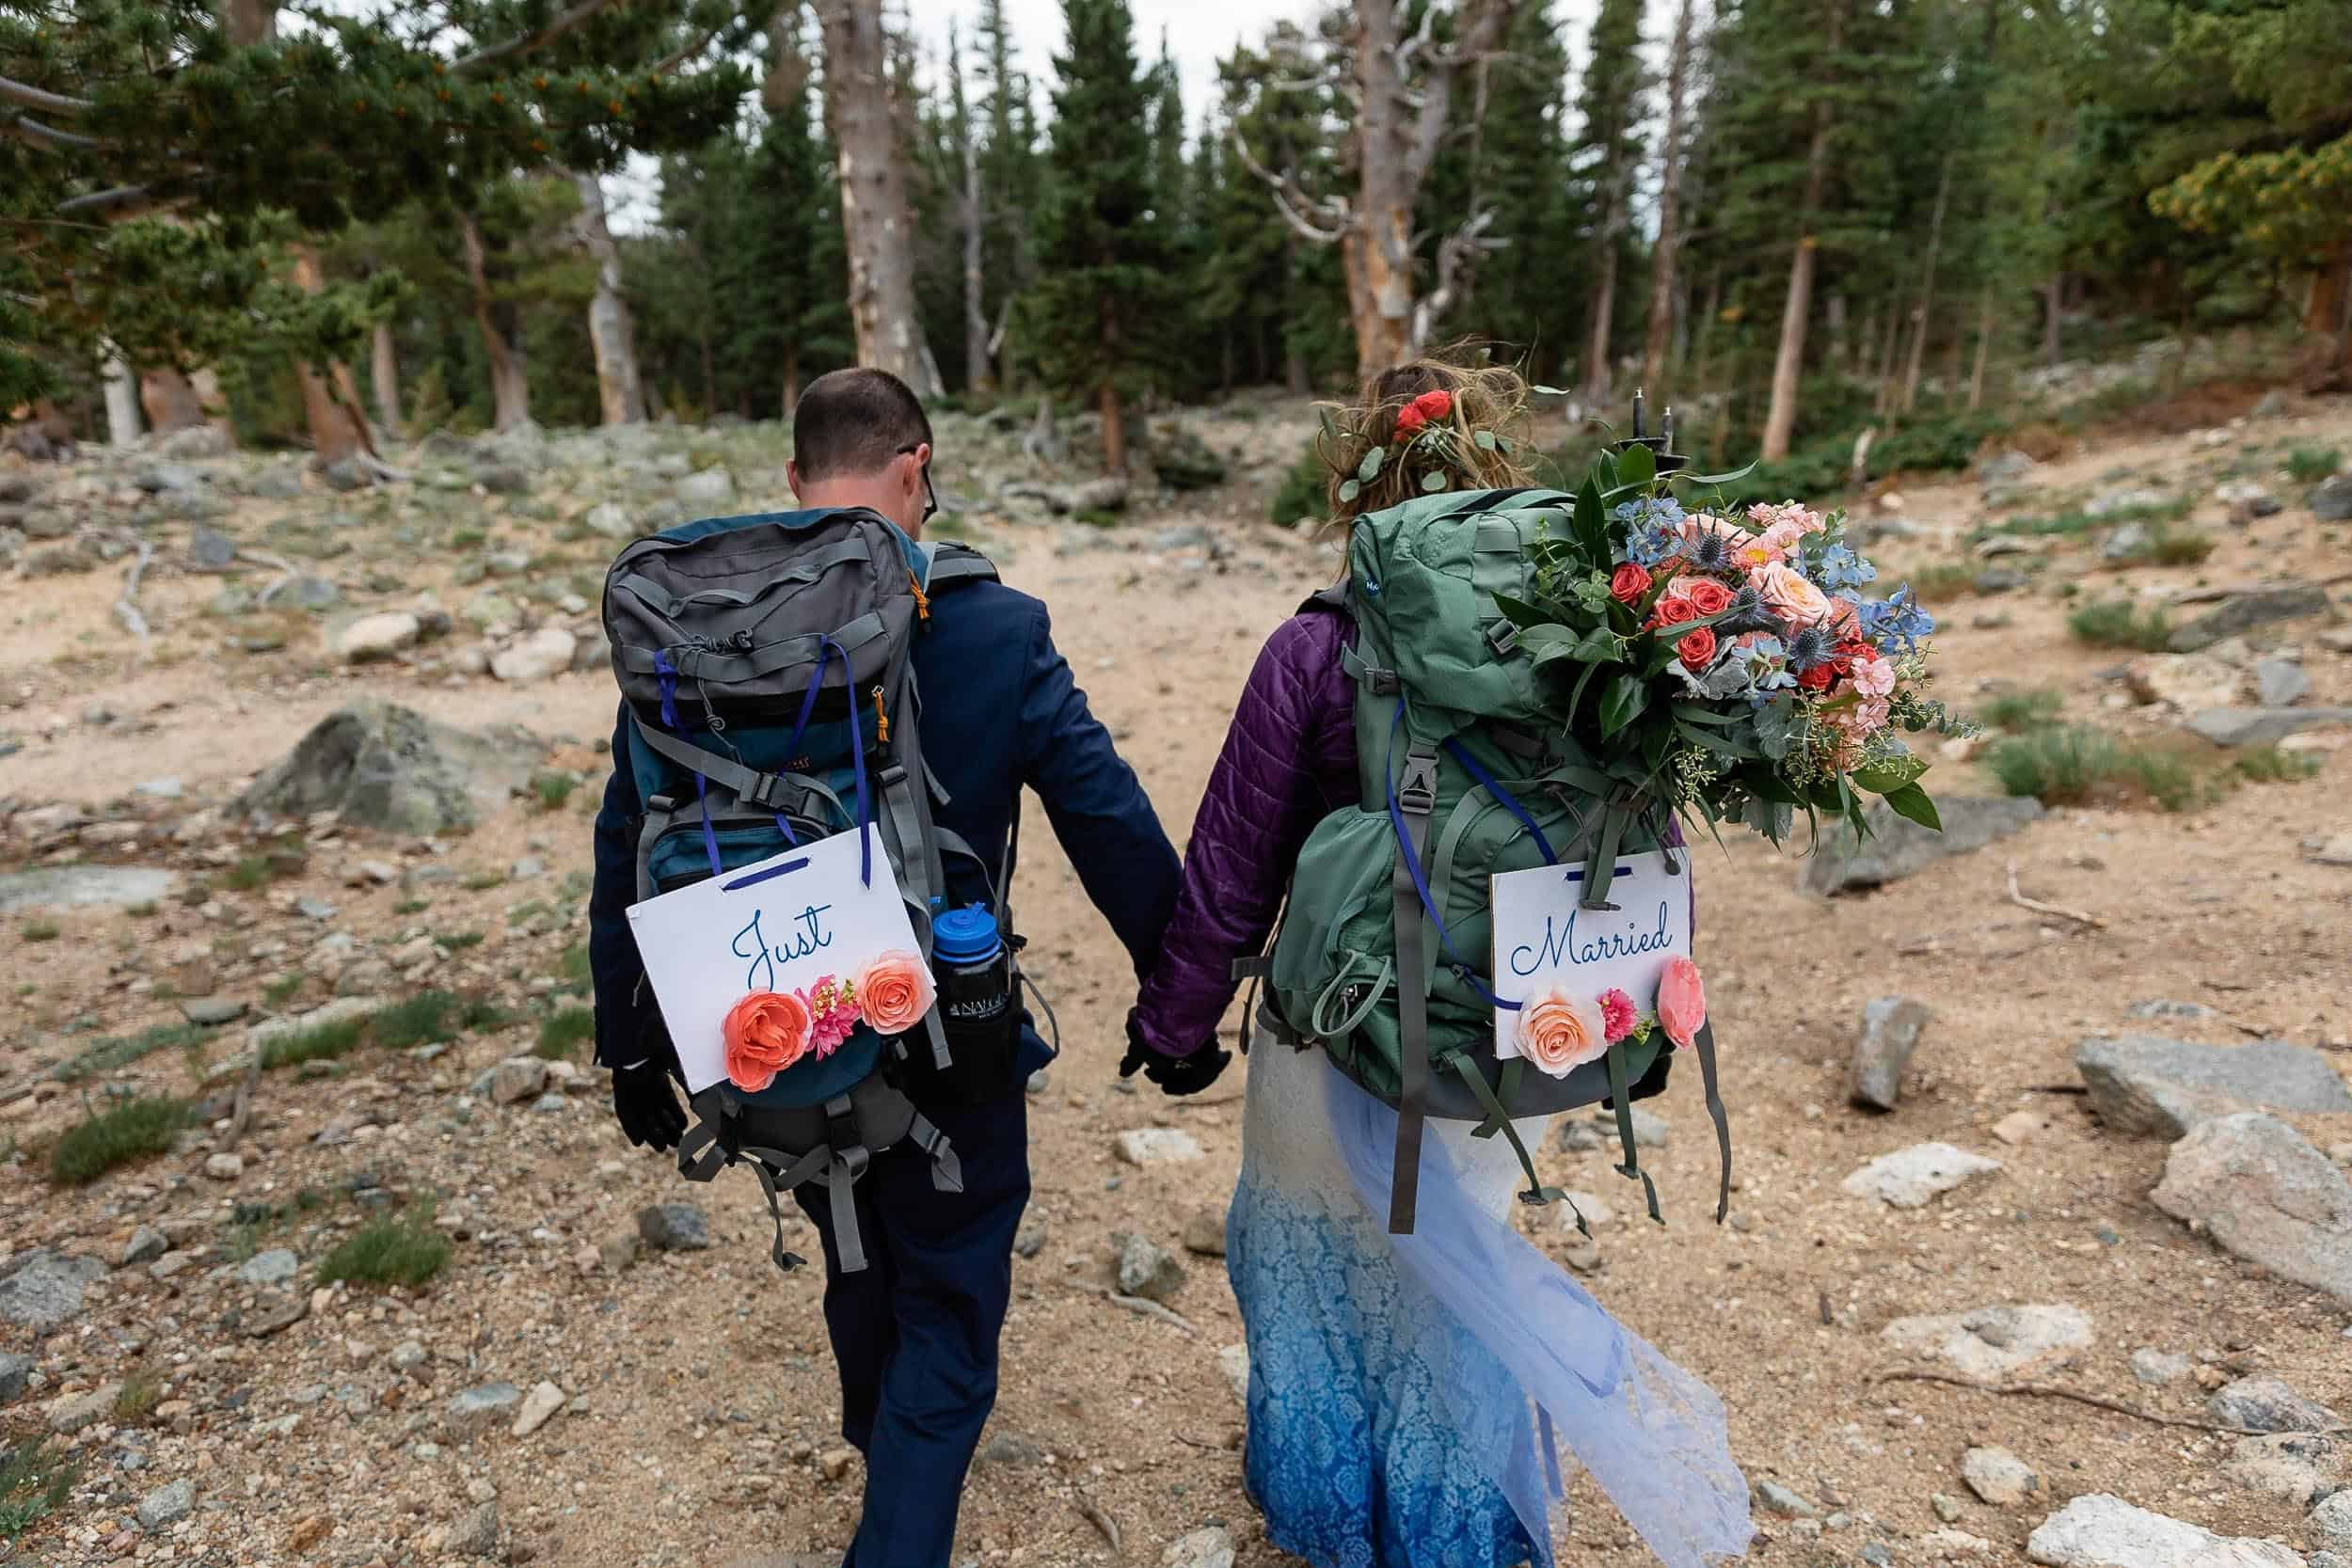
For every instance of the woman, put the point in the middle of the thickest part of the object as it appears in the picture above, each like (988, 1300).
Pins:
(1401, 1414)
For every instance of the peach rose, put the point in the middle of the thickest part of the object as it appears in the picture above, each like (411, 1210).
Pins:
(1681, 1001)
(1793, 599)
(765, 1032)
(1559, 1033)
(895, 991)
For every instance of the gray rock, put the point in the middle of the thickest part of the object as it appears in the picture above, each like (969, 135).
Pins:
(2099, 1530)
(2293, 1467)
(160, 479)
(16, 1375)
(514, 1080)
(479, 1410)
(710, 487)
(1010, 1452)
(279, 482)
(1211, 1546)
(211, 551)
(546, 652)
(1999, 1477)
(1785, 1501)
(612, 520)
(1031, 1241)
(674, 1228)
(1204, 1231)
(2156, 1369)
(1234, 1361)
(275, 1266)
(2262, 726)
(1108, 494)
(1184, 537)
(2331, 1522)
(66, 887)
(146, 1244)
(1999, 580)
(474, 1534)
(44, 1289)
(1156, 1146)
(2143, 1085)
(197, 440)
(1890, 1032)
(2194, 1011)
(2004, 467)
(2250, 612)
(539, 1407)
(211, 1011)
(1899, 848)
(166, 1505)
(46, 522)
(2000, 545)
(2280, 683)
(1910, 1177)
(390, 769)
(79, 1412)
(1993, 1342)
(2109, 503)
(2331, 501)
(2252, 1183)
(1650, 1130)
(2127, 542)
(502, 479)
(2268, 1403)
(366, 639)
(1147, 1269)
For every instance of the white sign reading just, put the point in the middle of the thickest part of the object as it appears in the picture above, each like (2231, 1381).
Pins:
(1545, 940)
(784, 924)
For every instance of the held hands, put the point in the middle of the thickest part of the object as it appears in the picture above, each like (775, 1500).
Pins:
(646, 1106)
(1175, 1075)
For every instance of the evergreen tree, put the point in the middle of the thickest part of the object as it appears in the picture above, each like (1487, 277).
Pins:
(1529, 288)
(1008, 180)
(1607, 160)
(1097, 314)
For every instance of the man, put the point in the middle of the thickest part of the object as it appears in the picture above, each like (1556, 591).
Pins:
(915, 1332)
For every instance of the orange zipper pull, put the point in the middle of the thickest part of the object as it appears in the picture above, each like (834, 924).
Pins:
(882, 719)
(922, 600)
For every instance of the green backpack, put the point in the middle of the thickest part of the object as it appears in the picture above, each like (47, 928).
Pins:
(1383, 956)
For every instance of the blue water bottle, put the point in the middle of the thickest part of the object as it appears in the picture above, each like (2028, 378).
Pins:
(974, 972)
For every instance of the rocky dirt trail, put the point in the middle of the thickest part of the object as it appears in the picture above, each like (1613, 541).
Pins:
(591, 1379)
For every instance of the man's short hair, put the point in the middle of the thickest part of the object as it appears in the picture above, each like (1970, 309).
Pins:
(854, 422)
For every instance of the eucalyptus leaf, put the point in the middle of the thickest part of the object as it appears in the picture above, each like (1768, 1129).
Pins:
(1350, 489)
(1485, 439)
(1884, 778)
(1622, 704)
(1688, 477)
(1549, 392)
(1912, 804)
(1330, 425)
(1433, 483)
(1369, 470)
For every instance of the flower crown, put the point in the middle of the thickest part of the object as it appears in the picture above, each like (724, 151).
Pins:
(1423, 423)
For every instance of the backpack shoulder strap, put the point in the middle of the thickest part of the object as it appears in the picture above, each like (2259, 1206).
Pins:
(947, 564)
(1334, 597)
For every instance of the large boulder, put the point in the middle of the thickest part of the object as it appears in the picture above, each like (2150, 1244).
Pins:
(44, 1289)
(2190, 682)
(2255, 1186)
(546, 652)
(2159, 1087)
(2264, 726)
(2252, 610)
(2332, 500)
(2097, 1531)
(389, 768)
(1899, 847)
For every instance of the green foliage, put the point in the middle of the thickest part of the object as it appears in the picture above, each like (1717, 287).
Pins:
(2017, 711)
(142, 1391)
(553, 789)
(319, 1042)
(2270, 765)
(1304, 491)
(112, 1055)
(395, 1250)
(2309, 464)
(563, 1032)
(1943, 580)
(39, 930)
(2120, 624)
(35, 1482)
(2165, 545)
(128, 1130)
(2079, 764)
(424, 1018)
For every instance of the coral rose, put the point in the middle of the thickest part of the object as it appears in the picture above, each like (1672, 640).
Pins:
(765, 1033)
(1696, 649)
(1674, 611)
(1429, 405)
(1560, 1034)
(1681, 1001)
(1793, 599)
(895, 991)
(1708, 597)
(1629, 582)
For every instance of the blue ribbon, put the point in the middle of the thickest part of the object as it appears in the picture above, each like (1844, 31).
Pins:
(1462, 969)
(668, 675)
(1486, 781)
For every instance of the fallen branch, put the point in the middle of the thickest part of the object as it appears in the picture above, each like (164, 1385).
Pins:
(2040, 908)
(2213, 595)
(1149, 1309)
(1200, 1443)
(1100, 1520)
(2048, 1391)
(1186, 1103)
(127, 606)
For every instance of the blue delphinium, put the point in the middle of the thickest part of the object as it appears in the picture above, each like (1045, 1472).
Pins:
(1765, 662)
(1896, 624)
(1839, 567)
(1650, 525)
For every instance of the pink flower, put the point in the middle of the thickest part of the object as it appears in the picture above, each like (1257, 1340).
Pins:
(834, 1007)
(1874, 678)
(1560, 1034)
(1617, 1016)
(894, 993)
(1791, 596)
(1699, 523)
(1870, 715)
(1681, 1001)
(765, 1033)
(1788, 522)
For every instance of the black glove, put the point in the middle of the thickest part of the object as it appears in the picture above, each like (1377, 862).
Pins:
(646, 1106)
(1175, 1075)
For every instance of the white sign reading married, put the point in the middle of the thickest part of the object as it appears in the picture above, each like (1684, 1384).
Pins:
(784, 925)
(1545, 940)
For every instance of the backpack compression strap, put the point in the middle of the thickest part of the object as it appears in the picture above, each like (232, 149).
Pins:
(1415, 800)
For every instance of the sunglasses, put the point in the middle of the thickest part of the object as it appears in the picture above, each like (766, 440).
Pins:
(930, 496)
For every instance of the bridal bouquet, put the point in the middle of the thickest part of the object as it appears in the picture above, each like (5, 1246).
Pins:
(1733, 664)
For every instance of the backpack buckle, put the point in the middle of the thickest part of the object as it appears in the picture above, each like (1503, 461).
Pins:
(1417, 794)
(1502, 636)
(766, 792)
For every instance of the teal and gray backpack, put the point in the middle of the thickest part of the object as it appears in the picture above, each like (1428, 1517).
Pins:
(766, 664)
(1383, 958)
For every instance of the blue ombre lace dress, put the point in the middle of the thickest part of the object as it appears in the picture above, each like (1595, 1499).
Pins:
(1409, 1396)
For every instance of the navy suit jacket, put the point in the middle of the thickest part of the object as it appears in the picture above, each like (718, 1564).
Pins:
(1000, 710)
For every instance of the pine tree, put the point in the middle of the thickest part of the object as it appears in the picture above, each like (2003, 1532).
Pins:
(1607, 159)
(1096, 315)
(1009, 181)
(1515, 165)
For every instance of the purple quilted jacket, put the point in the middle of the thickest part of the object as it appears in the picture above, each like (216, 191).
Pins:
(1289, 761)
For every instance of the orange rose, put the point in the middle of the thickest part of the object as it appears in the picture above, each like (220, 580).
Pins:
(1681, 1001)
(1709, 597)
(895, 991)
(1696, 649)
(765, 1032)
(1793, 599)
(1559, 1033)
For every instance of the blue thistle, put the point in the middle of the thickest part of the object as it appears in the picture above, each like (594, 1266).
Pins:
(1747, 613)
(1710, 552)
(1810, 647)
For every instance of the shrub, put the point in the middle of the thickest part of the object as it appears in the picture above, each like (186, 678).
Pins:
(2017, 711)
(399, 1250)
(1301, 492)
(2077, 765)
(2119, 623)
(35, 1482)
(1946, 580)
(2309, 464)
(2270, 765)
(422, 1020)
(561, 1032)
(320, 1042)
(247, 874)
(2165, 545)
(39, 930)
(133, 1130)
(142, 1391)
(553, 789)
(107, 1056)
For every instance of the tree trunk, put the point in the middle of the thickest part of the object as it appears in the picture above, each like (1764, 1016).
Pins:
(510, 388)
(1295, 370)
(1835, 324)
(611, 332)
(1780, 420)
(383, 366)
(2332, 293)
(1597, 367)
(791, 378)
(1889, 344)
(1114, 429)
(122, 401)
(1927, 290)
(1662, 255)
(874, 212)
(2054, 307)
(1984, 350)
(331, 403)
(170, 401)
(976, 367)
(1703, 339)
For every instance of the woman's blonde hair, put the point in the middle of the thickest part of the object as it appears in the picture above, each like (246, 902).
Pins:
(1485, 397)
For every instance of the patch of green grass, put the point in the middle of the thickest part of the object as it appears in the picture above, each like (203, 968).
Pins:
(553, 789)
(142, 1391)
(2077, 765)
(41, 930)
(280, 991)
(482, 1015)
(402, 1250)
(572, 967)
(561, 1032)
(2167, 545)
(133, 1130)
(2270, 765)
(411, 906)
(320, 1042)
(107, 1056)
(2119, 623)
(35, 1482)
(482, 881)
(143, 909)
(457, 941)
(1946, 580)
(2019, 711)
(2309, 464)
(467, 538)
(424, 1018)
(247, 874)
